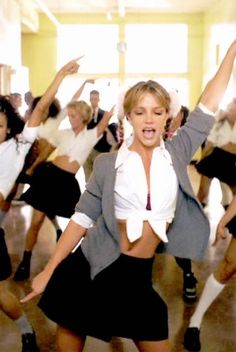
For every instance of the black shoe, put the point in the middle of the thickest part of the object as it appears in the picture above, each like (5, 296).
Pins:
(5, 260)
(191, 340)
(22, 272)
(189, 288)
(29, 343)
(59, 232)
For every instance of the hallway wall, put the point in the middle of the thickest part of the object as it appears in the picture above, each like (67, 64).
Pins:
(37, 50)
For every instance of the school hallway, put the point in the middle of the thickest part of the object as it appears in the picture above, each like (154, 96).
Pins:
(219, 324)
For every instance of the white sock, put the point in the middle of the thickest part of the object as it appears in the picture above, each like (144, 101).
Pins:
(211, 290)
(24, 325)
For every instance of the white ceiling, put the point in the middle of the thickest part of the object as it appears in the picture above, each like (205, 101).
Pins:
(114, 6)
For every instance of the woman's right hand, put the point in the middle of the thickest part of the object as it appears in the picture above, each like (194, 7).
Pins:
(38, 286)
(90, 80)
(70, 68)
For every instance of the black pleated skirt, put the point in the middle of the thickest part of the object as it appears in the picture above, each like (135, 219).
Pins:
(53, 191)
(5, 261)
(231, 226)
(219, 164)
(120, 301)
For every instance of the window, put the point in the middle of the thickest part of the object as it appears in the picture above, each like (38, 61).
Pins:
(160, 48)
(160, 53)
(222, 35)
(96, 42)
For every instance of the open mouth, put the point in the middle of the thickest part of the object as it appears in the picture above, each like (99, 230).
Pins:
(149, 132)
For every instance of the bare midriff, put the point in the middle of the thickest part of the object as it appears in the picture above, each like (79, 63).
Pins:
(41, 144)
(229, 147)
(63, 162)
(144, 247)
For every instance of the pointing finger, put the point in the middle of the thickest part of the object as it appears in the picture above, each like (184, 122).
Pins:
(29, 297)
(80, 57)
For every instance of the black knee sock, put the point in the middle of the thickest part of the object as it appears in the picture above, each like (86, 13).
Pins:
(26, 257)
(185, 264)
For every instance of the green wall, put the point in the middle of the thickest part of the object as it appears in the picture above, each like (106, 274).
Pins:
(39, 54)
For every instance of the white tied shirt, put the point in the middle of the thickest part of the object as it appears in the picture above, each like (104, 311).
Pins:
(51, 125)
(76, 146)
(12, 157)
(222, 133)
(131, 192)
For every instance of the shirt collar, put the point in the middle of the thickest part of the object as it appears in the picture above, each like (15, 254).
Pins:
(124, 151)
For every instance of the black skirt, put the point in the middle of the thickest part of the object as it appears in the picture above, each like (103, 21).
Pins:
(219, 164)
(30, 158)
(120, 301)
(53, 191)
(231, 226)
(5, 261)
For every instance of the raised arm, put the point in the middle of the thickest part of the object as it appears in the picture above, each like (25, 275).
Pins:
(68, 240)
(103, 123)
(81, 88)
(45, 152)
(47, 98)
(216, 87)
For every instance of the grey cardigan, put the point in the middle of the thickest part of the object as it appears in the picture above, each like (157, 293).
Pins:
(189, 232)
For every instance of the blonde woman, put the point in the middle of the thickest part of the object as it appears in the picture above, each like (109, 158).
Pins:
(137, 198)
(54, 189)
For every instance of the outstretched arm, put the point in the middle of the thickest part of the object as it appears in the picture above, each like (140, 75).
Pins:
(103, 123)
(67, 242)
(81, 88)
(216, 87)
(47, 98)
(46, 150)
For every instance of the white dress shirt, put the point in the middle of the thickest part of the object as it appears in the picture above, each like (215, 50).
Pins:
(76, 146)
(222, 133)
(12, 157)
(131, 192)
(51, 125)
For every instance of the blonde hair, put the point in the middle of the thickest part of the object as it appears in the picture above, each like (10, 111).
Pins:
(82, 108)
(135, 93)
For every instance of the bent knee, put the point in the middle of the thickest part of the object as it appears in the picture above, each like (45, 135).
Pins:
(226, 270)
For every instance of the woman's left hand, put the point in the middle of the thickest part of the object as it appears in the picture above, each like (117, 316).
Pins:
(221, 233)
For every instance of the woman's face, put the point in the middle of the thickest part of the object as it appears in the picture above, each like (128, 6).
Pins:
(75, 119)
(148, 119)
(3, 127)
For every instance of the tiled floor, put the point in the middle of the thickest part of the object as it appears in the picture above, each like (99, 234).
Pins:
(218, 333)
